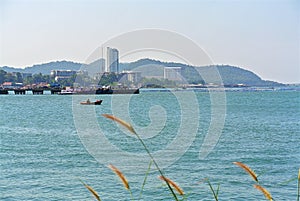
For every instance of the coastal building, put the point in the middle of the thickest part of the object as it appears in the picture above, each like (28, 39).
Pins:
(102, 65)
(173, 73)
(62, 74)
(131, 76)
(82, 72)
(11, 85)
(112, 60)
(7, 85)
(25, 75)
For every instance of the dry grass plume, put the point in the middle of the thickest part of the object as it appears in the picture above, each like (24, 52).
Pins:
(247, 169)
(92, 191)
(172, 183)
(264, 191)
(298, 193)
(120, 175)
(120, 121)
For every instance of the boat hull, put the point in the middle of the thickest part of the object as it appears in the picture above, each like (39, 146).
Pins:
(91, 103)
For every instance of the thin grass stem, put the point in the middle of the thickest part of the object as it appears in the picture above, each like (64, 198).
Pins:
(145, 179)
(213, 191)
(298, 194)
(217, 193)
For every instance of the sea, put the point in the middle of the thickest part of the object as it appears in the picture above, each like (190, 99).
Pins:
(51, 144)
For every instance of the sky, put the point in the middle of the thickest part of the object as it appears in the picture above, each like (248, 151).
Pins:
(262, 36)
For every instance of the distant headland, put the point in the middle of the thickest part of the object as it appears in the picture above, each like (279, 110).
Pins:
(151, 69)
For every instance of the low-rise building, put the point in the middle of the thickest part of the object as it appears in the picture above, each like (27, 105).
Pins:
(11, 85)
(131, 76)
(62, 74)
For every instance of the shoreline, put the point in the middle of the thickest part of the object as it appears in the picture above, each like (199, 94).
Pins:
(139, 90)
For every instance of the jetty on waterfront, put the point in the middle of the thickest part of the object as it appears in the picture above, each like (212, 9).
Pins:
(60, 91)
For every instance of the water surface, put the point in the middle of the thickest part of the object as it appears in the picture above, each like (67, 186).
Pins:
(43, 158)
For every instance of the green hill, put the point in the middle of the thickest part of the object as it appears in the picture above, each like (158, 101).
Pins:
(45, 68)
(230, 75)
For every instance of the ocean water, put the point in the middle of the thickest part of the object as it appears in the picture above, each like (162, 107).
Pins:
(48, 143)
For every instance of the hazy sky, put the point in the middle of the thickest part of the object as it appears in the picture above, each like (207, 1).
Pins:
(258, 35)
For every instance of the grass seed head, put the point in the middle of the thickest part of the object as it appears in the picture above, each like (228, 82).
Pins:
(173, 184)
(264, 191)
(247, 169)
(120, 175)
(120, 121)
(95, 194)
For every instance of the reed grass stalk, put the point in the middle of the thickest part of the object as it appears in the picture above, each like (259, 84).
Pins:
(215, 194)
(264, 191)
(145, 179)
(95, 194)
(218, 189)
(122, 178)
(298, 194)
(172, 183)
(131, 129)
(120, 175)
(247, 169)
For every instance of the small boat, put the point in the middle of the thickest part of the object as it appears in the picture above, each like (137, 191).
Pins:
(97, 102)
(66, 92)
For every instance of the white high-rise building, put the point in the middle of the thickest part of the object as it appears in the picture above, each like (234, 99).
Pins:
(112, 60)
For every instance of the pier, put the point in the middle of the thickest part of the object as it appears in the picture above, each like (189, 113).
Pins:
(48, 91)
(29, 91)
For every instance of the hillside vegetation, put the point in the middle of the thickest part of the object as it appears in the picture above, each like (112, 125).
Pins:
(230, 75)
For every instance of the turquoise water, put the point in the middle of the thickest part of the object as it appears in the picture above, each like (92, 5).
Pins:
(43, 158)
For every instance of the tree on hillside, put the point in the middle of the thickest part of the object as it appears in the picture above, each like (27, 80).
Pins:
(108, 79)
(19, 77)
(2, 76)
(9, 77)
(158, 83)
(28, 80)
